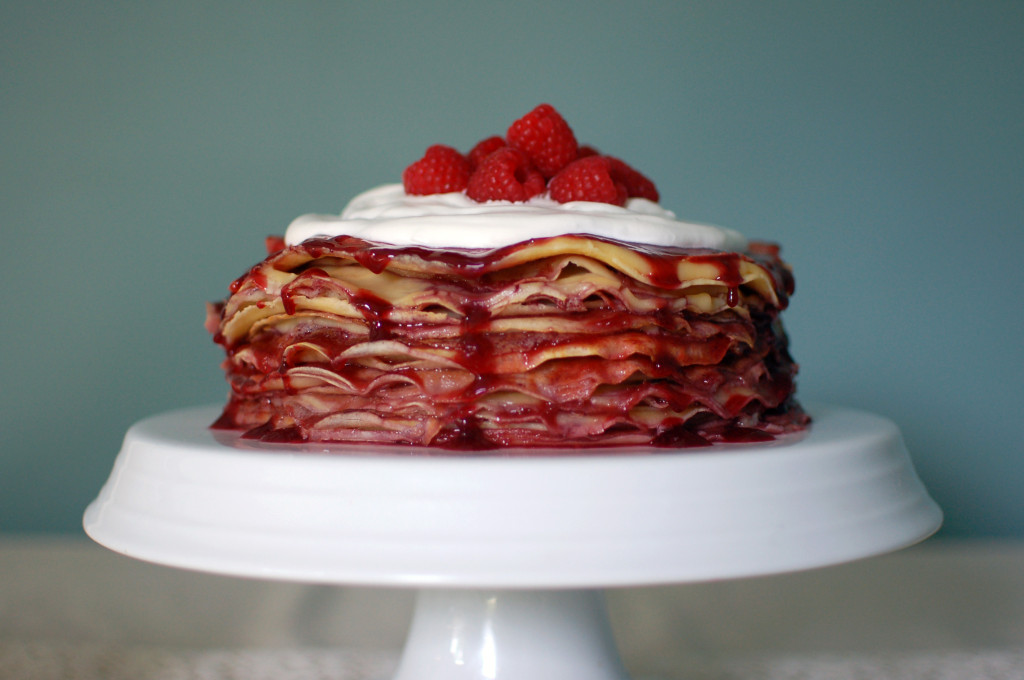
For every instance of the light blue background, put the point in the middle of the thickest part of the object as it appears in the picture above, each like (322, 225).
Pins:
(147, 149)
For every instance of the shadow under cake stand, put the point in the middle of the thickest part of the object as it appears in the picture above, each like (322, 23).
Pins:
(510, 554)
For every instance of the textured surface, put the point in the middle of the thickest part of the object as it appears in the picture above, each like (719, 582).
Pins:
(55, 661)
(70, 609)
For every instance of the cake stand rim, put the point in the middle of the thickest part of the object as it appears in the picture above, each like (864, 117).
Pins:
(167, 531)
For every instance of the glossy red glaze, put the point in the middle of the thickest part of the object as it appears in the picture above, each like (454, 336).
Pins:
(673, 380)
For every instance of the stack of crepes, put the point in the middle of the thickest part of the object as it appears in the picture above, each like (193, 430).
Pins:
(566, 341)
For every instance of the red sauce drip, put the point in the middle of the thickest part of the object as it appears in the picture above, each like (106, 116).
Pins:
(375, 311)
(374, 259)
(463, 434)
(727, 264)
(476, 346)
(475, 354)
(254, 275)
(308, 284)
(260, 279)
(662, 272)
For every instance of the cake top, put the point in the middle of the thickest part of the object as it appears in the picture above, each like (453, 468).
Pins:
(534, 182)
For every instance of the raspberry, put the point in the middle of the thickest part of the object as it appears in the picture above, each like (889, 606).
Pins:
(538, 153)
(483, 149)
(588, 179)
(505, 175)
(546, 138)
(636, 184)
(441, 170)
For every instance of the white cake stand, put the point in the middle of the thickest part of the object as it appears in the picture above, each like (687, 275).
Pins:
(510, 554)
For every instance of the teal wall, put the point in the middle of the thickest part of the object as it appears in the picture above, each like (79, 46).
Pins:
(147, 148)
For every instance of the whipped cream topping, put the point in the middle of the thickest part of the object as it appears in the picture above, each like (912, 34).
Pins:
(387, 214)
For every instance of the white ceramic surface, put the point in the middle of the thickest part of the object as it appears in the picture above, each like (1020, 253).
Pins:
(181, 496)
(514, 634)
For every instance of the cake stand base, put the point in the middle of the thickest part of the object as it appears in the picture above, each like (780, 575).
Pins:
(461, 634)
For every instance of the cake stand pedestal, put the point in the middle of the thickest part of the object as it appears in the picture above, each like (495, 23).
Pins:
(483, 633)
(510, 552)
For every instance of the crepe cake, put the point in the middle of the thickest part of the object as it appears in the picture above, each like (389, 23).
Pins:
(528, 294)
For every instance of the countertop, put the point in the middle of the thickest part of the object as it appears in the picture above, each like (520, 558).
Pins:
(943, 609)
